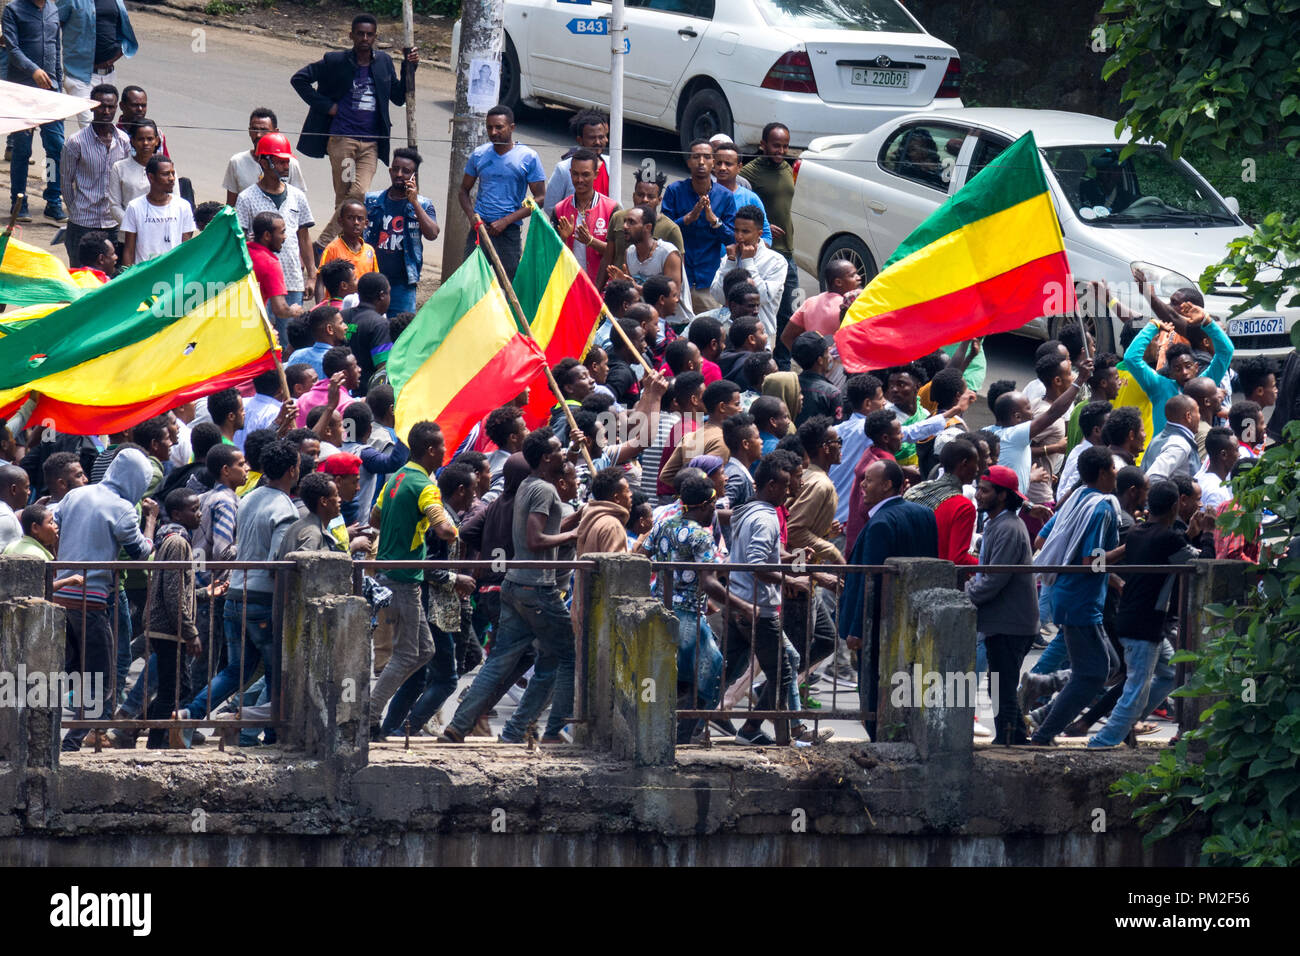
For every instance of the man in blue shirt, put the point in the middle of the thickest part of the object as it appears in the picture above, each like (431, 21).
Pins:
(505, 172)
(35, 54)
(706, 212)
(1084, 531)
(398, 220)
(1181, 364)
(96, 34)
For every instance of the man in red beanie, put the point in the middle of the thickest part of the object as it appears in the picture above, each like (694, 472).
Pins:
(345, 469)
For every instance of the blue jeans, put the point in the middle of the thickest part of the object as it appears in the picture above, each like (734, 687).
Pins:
(427, 689)
(527, 613)
(1054, 656)
(1089, 666)
(401, 297)
(246, 647)
(52, 140)
(696, 648)
(293, 298)
(1044, 605)
(1150, 679)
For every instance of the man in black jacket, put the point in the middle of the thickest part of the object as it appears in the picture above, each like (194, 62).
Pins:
(348, 95)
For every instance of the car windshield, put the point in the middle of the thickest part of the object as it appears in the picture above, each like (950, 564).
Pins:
(1148, 189)
(876, 16)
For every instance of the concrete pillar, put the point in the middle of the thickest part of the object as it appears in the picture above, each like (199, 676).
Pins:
(631, 677)
(1215, 582)
(899, 649)
(325, 682)
(31, 660)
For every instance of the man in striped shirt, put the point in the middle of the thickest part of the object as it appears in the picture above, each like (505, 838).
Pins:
(88, 156)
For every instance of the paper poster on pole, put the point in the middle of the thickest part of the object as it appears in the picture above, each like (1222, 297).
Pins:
(484, 83)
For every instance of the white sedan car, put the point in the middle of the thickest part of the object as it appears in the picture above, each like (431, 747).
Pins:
(858, 197)
(702, 67)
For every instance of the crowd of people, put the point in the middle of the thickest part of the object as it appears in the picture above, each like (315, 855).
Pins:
(711, 422)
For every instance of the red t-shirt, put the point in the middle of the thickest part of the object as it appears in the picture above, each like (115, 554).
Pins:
(266, 268)
(956, 521)
(711, 371)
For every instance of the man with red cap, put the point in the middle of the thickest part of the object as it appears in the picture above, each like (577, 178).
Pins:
(1006, 605)
(273, 193)
(345, 469)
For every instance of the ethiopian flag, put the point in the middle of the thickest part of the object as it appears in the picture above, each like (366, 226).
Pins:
(988, 260)
(31, 276)
(562, 304)
(173, 329)
(462, 355)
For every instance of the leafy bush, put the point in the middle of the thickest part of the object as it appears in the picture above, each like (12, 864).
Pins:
(1269, 185)
(1238, 769)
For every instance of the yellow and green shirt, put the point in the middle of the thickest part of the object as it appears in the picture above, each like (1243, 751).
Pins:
(408, 505)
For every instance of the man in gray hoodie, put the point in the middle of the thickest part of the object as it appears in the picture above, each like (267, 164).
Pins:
(97, 521)
(756, 539)
(1006, 606)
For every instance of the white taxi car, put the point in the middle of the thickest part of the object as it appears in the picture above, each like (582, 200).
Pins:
(701, 67)
(858, 197)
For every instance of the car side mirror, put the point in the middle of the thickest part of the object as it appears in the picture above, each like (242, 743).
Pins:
(1234, 207)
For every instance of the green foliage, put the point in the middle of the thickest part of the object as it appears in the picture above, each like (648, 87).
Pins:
(1221, 74)
(1264, 185)
(393, 8)
(1266, 263)
(1221, 78)
(1238, 770)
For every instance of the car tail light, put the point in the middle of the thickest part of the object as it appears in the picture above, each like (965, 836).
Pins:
(794, 169)
(791, 74)
(951, 84)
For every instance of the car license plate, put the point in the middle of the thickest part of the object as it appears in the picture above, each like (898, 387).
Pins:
(1268, 325)
(894, 79)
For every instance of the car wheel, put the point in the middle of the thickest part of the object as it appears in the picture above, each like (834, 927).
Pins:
(510, 84)
(706, 115)
(1103, 332)
(855, 251)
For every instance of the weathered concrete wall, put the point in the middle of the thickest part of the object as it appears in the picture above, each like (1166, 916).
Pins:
(487, 804)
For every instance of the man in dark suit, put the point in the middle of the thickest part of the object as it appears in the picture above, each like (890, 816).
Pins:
(895, 529)
(348, 94)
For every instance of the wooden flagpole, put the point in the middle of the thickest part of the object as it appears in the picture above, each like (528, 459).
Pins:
(484, 241)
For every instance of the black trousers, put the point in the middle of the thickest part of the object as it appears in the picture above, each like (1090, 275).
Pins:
(174, 688)
(1006, 653)
(767, 648)
(89, 652)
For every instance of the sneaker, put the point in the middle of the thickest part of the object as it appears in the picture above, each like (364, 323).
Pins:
(503, 739)
(482, 728)
(449, 736)
(54, 210)
(805, 697)
(1076, 729)
(724, 727)
(559, 738)
(982, 732)
(1040, 743)
(121, 739)
(377, 734)
(23, 214)
(759, 739)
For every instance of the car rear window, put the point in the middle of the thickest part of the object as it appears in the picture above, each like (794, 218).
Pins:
(875, 16)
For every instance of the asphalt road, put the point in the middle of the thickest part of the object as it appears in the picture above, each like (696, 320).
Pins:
(202, 82)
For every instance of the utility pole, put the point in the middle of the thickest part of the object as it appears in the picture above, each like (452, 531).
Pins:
(408, 27)
(482, 37)
(617, 41)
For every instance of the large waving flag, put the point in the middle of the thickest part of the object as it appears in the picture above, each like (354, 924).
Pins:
(462, 355)
(562, 304)
(176, 328)
(31, 276)
(988, 260)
